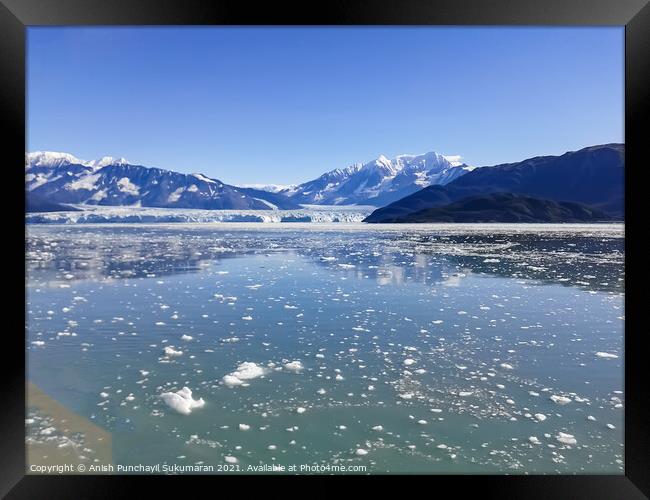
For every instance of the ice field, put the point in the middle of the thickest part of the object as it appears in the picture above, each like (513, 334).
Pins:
(426, 349)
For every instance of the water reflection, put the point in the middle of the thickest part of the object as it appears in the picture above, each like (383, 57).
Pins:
(56, 256)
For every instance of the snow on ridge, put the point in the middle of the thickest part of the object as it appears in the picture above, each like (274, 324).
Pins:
(203, 178)
(56, 159)
(455, 160)
(126, 186)
(107, 160)
(50, 158)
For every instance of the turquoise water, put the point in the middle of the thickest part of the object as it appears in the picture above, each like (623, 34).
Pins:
(432, 350)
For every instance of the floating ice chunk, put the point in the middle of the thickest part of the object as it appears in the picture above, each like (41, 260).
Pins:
(38, 342)
(361, 452)
(566, 438)
(244, 427)
(300, 409)
(187, 338)
(321, 391)
(231, 460)
(170, 352)
(338, 377)
(232, 381)
(245, 371)
(561, 400)
(534, 440)
(247, 318)
(294, 366)
(271, 447)
(463, 394)
(182, 401)
(606, 355)
(591, 418)
(103, 394)
(540, 416)
(610, 426)
(507, 366)
(442, 446)
(378, 428)
(422, 422)
(409, 362)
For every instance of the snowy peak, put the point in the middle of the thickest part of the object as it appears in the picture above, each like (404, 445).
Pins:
(54, 159)
(107, 160)
(50, 159)
(379, 181)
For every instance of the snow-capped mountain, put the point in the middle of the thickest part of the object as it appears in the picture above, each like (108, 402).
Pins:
(63, 178)
(380, 181)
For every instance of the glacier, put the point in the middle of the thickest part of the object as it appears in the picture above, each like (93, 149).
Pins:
(94, 214)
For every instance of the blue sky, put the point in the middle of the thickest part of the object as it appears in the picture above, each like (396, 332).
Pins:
(284, 105)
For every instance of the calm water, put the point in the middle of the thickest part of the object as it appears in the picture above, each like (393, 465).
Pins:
(445, 349)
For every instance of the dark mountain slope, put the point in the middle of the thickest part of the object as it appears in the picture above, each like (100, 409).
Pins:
(593, 176)
(506, 207)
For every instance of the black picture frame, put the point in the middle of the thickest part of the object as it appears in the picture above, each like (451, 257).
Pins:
(16, 15)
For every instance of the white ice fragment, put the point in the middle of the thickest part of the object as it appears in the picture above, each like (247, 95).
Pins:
(561, 400)
(182, 401)
(170, 352)
(245, 371)
(566, 438)
(293, 366)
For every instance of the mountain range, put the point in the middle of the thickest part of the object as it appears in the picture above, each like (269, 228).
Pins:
(579, 185)
(63, 178)
(593, 177)
(378, 182)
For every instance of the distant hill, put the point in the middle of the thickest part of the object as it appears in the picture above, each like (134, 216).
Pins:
(593, 176)
(506, 207)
